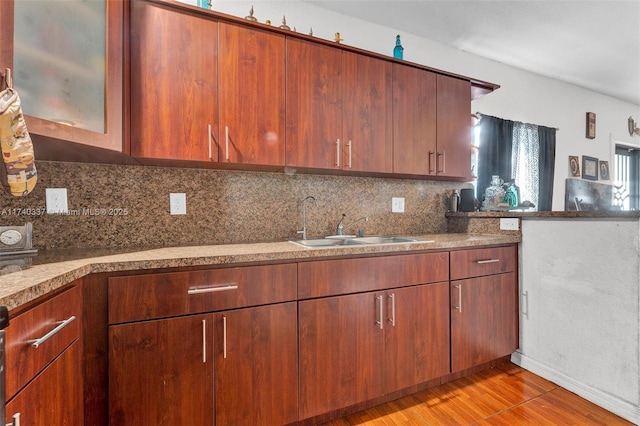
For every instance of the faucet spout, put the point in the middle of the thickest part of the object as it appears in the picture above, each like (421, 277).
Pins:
(340, 229)
(303, 231)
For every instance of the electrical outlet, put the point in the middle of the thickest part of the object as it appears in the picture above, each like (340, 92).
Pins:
(509, 223)
(178, 203)
(397, 205)
(56, 199)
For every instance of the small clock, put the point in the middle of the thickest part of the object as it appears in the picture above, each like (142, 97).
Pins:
(10, 237)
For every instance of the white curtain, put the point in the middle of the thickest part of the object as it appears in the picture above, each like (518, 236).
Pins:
(525, 161)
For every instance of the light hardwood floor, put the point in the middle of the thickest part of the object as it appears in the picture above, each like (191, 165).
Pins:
(505, 396)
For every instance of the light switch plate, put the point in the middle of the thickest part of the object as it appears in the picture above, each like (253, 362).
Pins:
(397, 205)
(178, 203)
(56, 199)
(509, 223)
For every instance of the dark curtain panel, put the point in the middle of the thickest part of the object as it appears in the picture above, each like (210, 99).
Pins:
(547, 139)
(494, 154)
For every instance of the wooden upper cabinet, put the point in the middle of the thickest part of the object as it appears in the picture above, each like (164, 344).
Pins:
(414, 121)
(314, 105)
(174, 99)
(367, 94)
(454, 127)
(252, 105)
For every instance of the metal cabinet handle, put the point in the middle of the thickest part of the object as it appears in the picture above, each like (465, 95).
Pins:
(349, 145)
(16, 420)
(380, 315)
(482, 262)
(61, 324)
(392, 320)
(226, 143)
(201, 290)
(224, 337)
(432, 170)
(204, 341)
(438, 155)
(210, 144)
(337, 152)
(459, 307)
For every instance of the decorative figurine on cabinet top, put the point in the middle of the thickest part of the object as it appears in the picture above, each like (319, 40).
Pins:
(250, 17)
(337, 38)
(398, 51)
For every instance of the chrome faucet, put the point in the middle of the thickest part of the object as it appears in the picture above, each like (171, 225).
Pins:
(303, 231)
(340, 229)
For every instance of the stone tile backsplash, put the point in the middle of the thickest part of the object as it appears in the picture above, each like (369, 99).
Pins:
(128, 206)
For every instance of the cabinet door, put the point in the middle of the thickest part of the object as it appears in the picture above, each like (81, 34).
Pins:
(454, 127)
(367, 137)
(54, 397)
(484, 319)
(416, 335)
(341, 352)
(251, 96)
(257, 366)
(414, 121)
(314, 105)
(173, 84)
(161, 372)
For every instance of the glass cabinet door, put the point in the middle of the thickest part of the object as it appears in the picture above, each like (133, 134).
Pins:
(66, 58)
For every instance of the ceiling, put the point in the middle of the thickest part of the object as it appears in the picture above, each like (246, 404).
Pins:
(594, 44)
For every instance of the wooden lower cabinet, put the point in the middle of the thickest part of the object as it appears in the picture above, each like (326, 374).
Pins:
(358, 347)
(161, 372)
(54, 397)
(484, 319)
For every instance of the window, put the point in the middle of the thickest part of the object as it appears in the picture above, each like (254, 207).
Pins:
(627, 178)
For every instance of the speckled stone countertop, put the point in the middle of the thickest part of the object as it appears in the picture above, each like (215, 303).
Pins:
(22, 287)
(608, 214)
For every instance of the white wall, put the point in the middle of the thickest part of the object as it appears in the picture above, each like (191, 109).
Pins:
(523, 96)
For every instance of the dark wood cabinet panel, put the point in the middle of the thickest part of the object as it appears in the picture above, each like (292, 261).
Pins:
(416, 335)
(54, 397)
(341, 276)
(174, 100)
(314, 105)
(140, 297)
(483, 261)
(484, 319)
(414, 121)
(252, 96)
(161, 372)
(256, 367)
(341, 352)
(454, 127)
(367, 136)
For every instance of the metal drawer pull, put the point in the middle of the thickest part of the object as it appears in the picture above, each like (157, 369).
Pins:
(380, 315)
(224, 337)
(226, 143)
(212, 289)
(209, 138)
(349, 145)
(16, 420)
(392, 320)
(61, 324)
(337, 152)
(481, 262)
(459, 307)
(204, 341)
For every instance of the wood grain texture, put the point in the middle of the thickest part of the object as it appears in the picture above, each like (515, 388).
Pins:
(485, 261)
(454, 127)
(173, 83)
(252, 96)
(414, 121)
(508, 395)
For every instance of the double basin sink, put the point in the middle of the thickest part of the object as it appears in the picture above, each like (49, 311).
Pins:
(338, 241)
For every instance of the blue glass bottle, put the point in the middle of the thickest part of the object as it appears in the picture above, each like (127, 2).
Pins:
(398, 50)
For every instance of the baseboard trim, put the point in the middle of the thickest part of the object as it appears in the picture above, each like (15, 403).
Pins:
(609, 402)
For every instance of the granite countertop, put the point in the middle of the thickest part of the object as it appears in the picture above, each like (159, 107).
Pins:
(54, 270)
(604, 214)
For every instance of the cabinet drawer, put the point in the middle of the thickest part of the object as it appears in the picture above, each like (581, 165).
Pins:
(343, 276)
(141, 297)
(486, 261)
(28, 350)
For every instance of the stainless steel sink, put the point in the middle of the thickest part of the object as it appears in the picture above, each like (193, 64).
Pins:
(359, 241)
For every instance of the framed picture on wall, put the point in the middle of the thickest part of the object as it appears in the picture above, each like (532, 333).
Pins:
(574, 166)
(589, 168)
(604, 170)
(591, 125)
